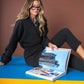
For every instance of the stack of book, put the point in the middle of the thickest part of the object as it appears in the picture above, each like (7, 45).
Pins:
(48, 59)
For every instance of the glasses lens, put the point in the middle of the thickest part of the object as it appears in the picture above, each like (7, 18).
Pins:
(38, 8)
(33, 8)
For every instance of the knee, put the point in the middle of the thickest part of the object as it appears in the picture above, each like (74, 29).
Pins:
(65, 30)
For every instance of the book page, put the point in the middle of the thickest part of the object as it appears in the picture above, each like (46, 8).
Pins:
(61, 56)
(45, 73)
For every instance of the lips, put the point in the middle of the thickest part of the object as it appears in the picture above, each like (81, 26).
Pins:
(36, 11)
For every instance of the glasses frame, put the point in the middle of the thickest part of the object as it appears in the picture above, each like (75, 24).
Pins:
(33, 8)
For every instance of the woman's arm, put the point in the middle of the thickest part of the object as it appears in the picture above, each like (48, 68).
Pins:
(46, 41)
(6, 56)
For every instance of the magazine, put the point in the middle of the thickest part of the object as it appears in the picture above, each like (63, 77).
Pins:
(52, 64)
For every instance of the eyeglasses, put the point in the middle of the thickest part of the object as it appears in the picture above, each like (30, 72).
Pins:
(33, 8)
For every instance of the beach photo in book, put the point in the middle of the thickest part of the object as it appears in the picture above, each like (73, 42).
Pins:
(52, 64)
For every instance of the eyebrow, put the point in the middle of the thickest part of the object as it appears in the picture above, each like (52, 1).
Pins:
(36, 6)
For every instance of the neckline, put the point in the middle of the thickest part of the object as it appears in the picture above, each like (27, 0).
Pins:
(35, 23)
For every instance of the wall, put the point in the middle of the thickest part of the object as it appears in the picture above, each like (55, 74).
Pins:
(59, 14)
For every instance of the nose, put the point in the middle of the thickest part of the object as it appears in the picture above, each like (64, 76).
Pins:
(36, 8)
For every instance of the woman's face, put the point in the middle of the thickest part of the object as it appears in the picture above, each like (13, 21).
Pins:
(34, 10)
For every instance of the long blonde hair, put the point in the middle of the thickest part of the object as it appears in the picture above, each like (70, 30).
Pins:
(25, 12)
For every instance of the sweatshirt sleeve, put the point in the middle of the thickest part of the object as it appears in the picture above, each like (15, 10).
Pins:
(45, 38)
(9, 50)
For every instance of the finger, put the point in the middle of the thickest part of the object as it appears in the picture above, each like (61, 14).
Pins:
(1, 63)
(55, 47)
(51, 47)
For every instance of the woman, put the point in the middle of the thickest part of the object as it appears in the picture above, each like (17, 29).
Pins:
(31, 32)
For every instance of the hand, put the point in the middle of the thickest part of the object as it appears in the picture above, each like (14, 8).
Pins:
(52, 46)
(1, 63)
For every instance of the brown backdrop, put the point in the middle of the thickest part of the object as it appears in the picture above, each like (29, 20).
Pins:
(59, 13)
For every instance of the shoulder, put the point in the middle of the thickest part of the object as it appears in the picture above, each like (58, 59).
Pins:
(23, 24)
(18, 25)
(45, 20)
(19, 22)
(22, 20)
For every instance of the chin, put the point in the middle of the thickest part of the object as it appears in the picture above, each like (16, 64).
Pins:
(35, 14)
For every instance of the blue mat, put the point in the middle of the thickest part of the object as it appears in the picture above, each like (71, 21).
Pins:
(16, 68)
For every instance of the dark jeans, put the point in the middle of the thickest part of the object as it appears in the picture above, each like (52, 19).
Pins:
(65, 35)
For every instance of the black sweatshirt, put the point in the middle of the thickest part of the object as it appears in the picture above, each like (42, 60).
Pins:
(28, 35)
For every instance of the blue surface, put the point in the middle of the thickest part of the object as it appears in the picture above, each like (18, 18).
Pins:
(16, 68)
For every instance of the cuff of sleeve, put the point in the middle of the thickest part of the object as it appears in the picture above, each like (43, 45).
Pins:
(5, 59)
(46, 43)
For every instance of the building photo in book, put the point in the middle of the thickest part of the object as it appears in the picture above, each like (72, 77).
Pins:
(44, 72)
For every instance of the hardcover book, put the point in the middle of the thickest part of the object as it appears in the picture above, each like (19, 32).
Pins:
(52, 64)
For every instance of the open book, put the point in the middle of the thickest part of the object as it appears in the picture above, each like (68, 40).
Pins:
(52, 64)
